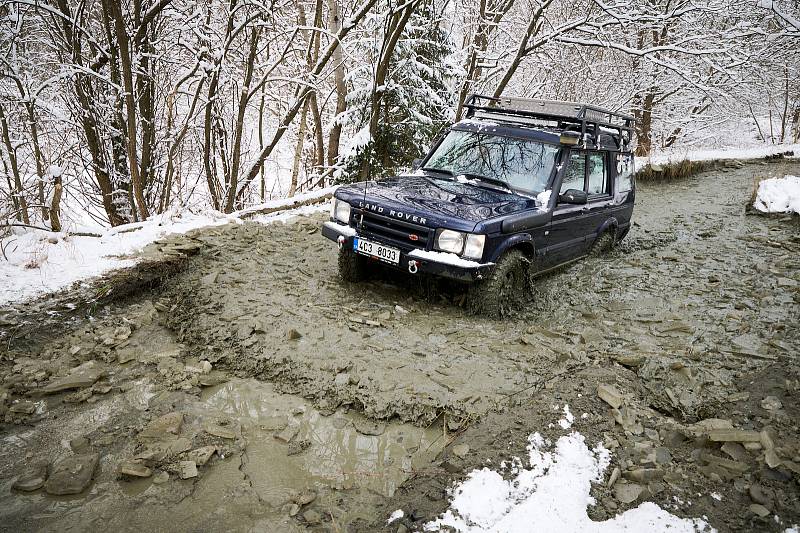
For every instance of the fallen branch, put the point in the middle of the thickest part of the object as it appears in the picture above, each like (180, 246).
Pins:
(285, 207)
(48, 230)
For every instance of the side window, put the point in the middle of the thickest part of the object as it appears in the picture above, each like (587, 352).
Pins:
(576, 171)
(598, 177)
(624, 172)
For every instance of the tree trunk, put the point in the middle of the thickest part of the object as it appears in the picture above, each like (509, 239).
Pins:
(335, 134)
(298, 150)
(644, 125)
(22, 212)
(55, 204)
(127, 78)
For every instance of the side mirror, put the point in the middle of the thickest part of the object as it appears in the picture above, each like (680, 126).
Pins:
(416, 163)
(573, 196)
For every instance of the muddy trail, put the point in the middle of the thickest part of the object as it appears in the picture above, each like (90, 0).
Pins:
(246, 388)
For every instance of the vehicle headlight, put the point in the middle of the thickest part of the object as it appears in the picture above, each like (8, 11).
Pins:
(341, 211)
(473, 247)
(450, 241)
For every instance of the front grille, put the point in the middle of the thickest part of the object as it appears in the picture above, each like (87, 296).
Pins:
(393, 231)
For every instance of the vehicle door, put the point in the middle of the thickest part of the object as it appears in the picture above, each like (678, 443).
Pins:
(566, 236)
(596, 210)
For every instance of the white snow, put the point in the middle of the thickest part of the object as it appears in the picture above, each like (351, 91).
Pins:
(347, 231)
(444, 257)
(397, 515)
(543, 198)
(568, 419)
(779, 195)
(40, 261)
(750, 152)
(551, 495)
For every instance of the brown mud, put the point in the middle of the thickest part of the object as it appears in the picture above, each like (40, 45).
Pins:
(326, 406)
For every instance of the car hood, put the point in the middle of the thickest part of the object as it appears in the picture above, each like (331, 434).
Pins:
(441, 202)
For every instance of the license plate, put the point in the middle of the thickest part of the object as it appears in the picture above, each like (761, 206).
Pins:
(378, 251)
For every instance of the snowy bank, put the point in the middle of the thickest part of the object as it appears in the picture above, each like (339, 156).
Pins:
(778, 195)
(750, 152)
(551, 495)
(39, 262)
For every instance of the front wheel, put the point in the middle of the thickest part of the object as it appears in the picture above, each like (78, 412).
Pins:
(603, 243)
(506, 286)
(352, 267)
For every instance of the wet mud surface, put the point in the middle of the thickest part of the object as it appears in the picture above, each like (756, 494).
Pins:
(308, 403)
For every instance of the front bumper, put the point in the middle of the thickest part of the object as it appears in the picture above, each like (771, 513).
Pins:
(468, 271)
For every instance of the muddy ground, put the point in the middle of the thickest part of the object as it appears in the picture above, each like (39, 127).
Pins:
(232, 382)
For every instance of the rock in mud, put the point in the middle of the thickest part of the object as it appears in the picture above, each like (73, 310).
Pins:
(33, 478)
(771, 403)
(287, 434)
(734, 435)
(202, 455)
(366, 426)
(185, 469)
(23, 407)
(219, 431)
(133, 469)
(305, 497)
(759, 510)
(297, 447)
(81, 377)
(72, 474)
(628, 492)
(610, 395)
(169, 423)
(460, 450)
(292, 334)
(312, 517)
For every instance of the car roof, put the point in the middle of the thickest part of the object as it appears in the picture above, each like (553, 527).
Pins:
(508, 129)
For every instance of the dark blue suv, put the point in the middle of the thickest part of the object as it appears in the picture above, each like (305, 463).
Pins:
(517, 188)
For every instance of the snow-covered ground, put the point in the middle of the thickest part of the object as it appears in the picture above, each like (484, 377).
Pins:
(778, 195)
(551, 493)
(37, 262)
(748, 152)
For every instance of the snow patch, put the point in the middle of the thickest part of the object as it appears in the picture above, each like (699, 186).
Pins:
(544, 198)
(397, 515)
(568, 419)
(778, 195)
(551, 495)
(444, 257)
(347, 231)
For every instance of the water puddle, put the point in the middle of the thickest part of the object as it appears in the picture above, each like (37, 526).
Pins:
(322, 451)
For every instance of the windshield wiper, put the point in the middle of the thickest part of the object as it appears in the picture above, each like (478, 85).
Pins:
(439, 170)
(486, 179)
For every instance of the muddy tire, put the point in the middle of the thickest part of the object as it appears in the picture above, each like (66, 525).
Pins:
(352, 267)
(603, 243)
(504, 289)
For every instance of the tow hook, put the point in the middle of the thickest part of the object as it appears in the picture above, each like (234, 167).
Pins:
(413, 266)
(340, 241)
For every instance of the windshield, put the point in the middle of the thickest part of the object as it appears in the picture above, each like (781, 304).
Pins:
(524, 165)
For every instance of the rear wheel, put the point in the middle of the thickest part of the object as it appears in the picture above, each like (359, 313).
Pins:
(352, 267)
(506, 286)
(603, 243)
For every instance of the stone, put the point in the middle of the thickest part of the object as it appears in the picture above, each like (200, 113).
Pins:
(733, 435)
(219, 431)
(772, 459)
(771, 403)
(767, 438)
(202, 455)
(297, 447)
(736, 451)
(33, 478)
(79, 444)
(72, 474)
(610, 395)
(628, 492)
(612, 479)
(23, 407)
(760, 495)
(312, 517)
(366, 426)
(643, 475)
(293, 509)
(186, 469)
(662, 456)
(305, 497)
(169, 423)
(759, 510)
(591, 336)
(287, 434)
(81, 377)
(460, 450)
(293, 335)
(161, 477)
(133, 469)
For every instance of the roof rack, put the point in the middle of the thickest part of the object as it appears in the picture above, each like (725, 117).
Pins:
(592, 120)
